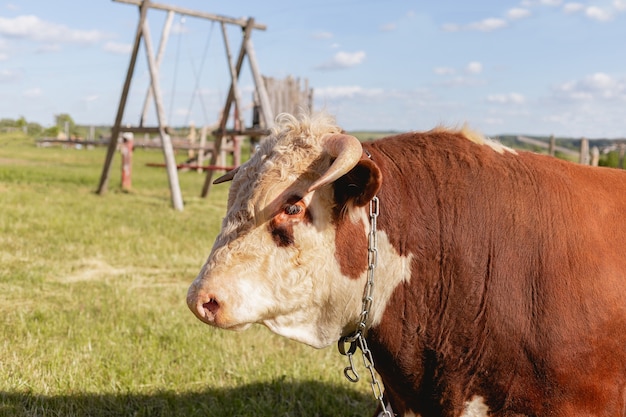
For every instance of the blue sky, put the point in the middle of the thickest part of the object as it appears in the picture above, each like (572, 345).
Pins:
(501, 66)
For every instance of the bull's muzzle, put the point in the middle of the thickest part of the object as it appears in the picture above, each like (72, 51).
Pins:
(205, 306)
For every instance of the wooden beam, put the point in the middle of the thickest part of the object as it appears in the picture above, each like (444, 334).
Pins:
(226, 111)
(164, 37)
(194, 167)
(168, 151)
(181, 10)
(254, 132)
(145, 129)
(106, 168)
(266, 107)
(234, 75)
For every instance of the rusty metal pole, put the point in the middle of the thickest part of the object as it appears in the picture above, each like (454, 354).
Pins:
(127, 160)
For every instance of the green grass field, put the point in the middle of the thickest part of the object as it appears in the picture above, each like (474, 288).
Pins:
(92, 302)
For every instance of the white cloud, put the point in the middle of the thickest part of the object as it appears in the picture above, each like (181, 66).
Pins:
(33, 28)
(474, 67)
(485, 25)
(181, 112)
(573, 7)
(510, 98)
(3, 57)
(451, 27)
(461, 82)
(118, 48)
(350, 91)
(91, 98)
(322, 35)
(12, 7)
(596, 13)
(444, 71)
(524, 11)
(389, 27)
(538, 3)
(452, 80)
(343, 60)
(488, 25)
(179, 27)
(49, 47)
(493, 121)
(33, 92)
(8, 75)
(598, 86)
(518, 13)
(550, 2)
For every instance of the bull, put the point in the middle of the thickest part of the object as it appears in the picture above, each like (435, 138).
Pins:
(500, 282)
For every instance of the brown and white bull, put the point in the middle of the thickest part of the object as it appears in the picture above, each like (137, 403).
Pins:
(501, 281)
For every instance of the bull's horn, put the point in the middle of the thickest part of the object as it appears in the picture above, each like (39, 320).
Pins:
(347, 150)
(226, 177)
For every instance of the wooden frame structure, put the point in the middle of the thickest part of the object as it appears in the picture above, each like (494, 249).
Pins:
(154, 92)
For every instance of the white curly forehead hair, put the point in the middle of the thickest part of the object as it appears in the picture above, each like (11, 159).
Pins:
(301, 135)
(291, 150)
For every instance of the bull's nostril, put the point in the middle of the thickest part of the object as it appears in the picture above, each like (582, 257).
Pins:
(211, 306)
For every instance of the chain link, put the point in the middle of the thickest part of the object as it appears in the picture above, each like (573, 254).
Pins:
(358, 337)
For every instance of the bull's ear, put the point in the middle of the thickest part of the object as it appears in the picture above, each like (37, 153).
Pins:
(359, 185)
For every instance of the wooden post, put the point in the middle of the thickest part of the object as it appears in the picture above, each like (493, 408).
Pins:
(237, 150)
(552, 146)
(192, 137)
(225, 113)
(203, 133)
(115, 130)
(127, 160)
(584, 151)
(266, 107)
(168, 150)
(595, 156)
(164, 37)
(234, 76)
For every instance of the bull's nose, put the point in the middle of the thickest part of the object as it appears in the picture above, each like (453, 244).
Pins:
(210, 307)
(203, 305)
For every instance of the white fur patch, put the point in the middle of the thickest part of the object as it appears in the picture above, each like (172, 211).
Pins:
(498, 147)
(476, 407)
(482, 140)
(392, 270)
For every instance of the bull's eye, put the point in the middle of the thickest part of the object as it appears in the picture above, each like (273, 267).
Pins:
(293, 209)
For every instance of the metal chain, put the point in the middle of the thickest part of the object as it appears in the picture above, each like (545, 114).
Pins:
(358, 337)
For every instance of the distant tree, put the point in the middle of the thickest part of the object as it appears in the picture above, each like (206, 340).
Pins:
(62, 119)
(21, 122)
(7, 123)
(610, 159)
(51, 132)
(34, 129)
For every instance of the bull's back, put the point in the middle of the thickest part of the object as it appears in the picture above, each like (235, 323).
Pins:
(587, 206)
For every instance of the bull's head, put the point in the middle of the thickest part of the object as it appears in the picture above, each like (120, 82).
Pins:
(292, 252)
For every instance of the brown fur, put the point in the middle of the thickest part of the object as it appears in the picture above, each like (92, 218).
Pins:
(518, 288)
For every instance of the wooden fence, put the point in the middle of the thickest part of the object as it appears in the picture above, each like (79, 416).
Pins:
(586, 155)
(289, 95)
